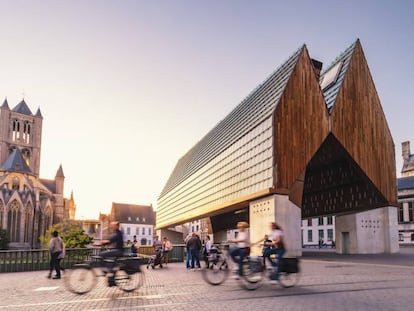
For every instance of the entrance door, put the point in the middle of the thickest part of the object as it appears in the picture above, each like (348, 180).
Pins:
(345, 243)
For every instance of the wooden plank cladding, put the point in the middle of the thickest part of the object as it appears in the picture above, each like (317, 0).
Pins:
(359, 124)
(300, 124)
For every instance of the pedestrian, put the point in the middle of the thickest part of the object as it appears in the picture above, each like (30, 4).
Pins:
(134, 247)
(157, 244)
(62, 254)
(206, 251)
(242, 246)
(166, 249)
(194, 245)
(55, 249)
(188, 253)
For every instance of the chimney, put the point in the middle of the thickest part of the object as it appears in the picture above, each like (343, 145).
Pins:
(406, 149)
(317, 67)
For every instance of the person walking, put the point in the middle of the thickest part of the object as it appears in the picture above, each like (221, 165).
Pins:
(62, 254)
(55, 249)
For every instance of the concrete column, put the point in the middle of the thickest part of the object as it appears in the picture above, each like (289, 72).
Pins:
(370, 232)
(279, 209)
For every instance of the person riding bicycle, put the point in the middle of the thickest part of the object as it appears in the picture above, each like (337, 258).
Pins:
(117, 247)
(242, 248)
(277, 247)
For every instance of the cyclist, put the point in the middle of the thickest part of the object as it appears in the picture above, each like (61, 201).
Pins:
(117, 249)
(242, 248)
(277, 247)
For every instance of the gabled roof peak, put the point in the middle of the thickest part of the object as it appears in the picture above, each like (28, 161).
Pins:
(23, 108)
(16, 163)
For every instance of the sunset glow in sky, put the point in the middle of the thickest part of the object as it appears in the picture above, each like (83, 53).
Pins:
(128, 87)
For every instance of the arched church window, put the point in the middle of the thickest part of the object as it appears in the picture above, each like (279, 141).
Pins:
(16, 130)
(26, 156)
(26, 132)
(13, 221)
(28, 223)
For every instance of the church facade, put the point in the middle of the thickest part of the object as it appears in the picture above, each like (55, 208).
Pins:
(29, 205)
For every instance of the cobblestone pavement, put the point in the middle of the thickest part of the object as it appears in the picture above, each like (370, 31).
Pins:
(328, 282)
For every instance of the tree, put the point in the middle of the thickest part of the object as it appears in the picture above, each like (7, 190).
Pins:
(72, 234)
(4, 239)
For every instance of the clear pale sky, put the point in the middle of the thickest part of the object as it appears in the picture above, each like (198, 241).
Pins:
(128, 87)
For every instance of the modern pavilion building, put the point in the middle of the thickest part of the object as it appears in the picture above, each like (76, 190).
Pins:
(301, 145)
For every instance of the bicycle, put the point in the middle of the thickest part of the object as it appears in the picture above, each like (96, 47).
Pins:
(253, 273)
(127, 274)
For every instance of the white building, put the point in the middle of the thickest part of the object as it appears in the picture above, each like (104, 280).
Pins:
(135, 220)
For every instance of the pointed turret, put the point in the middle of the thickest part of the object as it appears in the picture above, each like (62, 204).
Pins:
(59, 172)
(5, 104)
(38, 113)
(59, 180)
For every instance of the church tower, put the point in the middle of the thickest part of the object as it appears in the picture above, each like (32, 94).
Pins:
(20, 128)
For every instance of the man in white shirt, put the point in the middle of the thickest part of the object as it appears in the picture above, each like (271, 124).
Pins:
(277, 247)
(242, 247)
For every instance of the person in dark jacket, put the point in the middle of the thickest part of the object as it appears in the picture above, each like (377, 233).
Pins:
(194, 246)
(116, 250)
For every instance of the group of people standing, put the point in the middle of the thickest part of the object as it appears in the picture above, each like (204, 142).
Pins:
(194, 246)
(164, 247)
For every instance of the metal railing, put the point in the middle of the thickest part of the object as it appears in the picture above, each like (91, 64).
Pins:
(35, 260)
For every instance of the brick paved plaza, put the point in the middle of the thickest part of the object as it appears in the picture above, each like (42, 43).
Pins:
(328, 282)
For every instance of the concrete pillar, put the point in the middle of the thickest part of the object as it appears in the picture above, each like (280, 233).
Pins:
(370, 232)
(279, 209)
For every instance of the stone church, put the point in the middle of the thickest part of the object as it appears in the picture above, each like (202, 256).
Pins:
(29, 205)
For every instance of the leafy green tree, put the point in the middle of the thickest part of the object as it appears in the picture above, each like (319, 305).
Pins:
(72, 234)
(4, 239)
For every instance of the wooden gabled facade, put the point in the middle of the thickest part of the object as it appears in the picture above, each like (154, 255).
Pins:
(323, 141)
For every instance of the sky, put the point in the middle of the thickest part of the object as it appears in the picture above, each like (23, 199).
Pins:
(128, 87)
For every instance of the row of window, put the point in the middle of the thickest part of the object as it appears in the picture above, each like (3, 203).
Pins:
(137, 219)
(17, 134)
(321, 235)
(321, 221)
(137, 231)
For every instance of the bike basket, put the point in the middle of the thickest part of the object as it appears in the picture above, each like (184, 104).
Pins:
(256, 264)
(289, 265)
(131, 265)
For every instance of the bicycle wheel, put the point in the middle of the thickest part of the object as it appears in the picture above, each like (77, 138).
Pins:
(287, 279)
(128, 282)
(253, 274)
(81, 280)
(216, 272)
